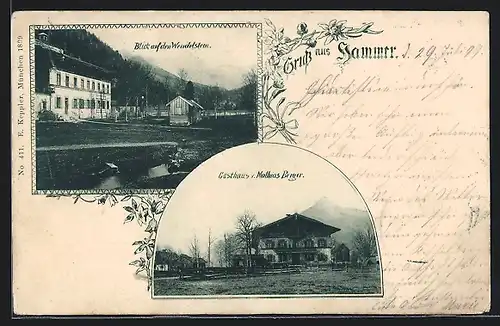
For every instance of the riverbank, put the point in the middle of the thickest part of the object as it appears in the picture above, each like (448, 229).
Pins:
(70, 156)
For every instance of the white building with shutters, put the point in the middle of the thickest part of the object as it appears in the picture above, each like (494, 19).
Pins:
(70, 87)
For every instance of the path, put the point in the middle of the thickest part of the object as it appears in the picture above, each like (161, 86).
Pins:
(110, 145)
(144, 125)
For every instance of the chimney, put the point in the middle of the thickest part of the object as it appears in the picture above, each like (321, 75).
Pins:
(43, 37)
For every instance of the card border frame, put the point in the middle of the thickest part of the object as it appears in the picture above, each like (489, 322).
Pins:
(182, 25)
(381, 294)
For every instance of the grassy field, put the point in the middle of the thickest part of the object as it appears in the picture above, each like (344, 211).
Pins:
(69, 169)
(314, 282)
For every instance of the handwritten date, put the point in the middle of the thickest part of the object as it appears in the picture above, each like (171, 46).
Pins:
(433, 55)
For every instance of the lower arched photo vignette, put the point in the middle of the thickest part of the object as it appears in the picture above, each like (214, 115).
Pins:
(266, 220)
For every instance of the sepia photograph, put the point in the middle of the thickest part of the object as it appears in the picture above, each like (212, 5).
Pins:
(129, 108)
(266, 230)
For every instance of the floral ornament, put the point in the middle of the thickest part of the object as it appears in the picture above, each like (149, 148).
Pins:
(146, 211)
(274, 119)
(278, 45)
(336, 30)
(302, 29)
(99, 199)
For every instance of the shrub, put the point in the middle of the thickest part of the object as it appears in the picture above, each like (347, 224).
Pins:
(47, 115)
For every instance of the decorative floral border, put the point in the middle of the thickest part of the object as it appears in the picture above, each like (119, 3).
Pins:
(32, 28)
(275, 117)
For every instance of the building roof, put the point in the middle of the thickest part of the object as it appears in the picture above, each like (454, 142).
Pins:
(340, 247)
(47, 57)
(189, 102)
(196, 104)
(295, 226)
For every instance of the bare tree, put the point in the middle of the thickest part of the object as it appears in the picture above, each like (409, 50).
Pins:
(219, 253)
(194, 250)
(226, 247)
(246, 224)
(248, 93)
(365, 244)
(250, 78)
(183, 74)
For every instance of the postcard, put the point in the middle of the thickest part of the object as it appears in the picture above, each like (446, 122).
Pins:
(250, 162)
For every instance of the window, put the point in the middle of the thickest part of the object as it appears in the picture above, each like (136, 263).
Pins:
(75, 103)
(88, 104)
(88, 84)
(99, 87)
(107, 105)
(75, 82)
(66, 81)
(322, 257)
(309, 243)
(269, 244)
(107, 88)
(44, 105)
(58, 78)
(92, 103)
(82, 83)
(93, 86)
(309, 257)
(282, 257)
(282, 243)
(58, 102)
(322, 243)
(82, 104)
(66, 105)
(270, 258)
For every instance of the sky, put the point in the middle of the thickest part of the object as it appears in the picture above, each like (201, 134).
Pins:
(203, 202)
(232, 52)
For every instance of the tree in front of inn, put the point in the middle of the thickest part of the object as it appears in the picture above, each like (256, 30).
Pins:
(225, 248)
(365, 244)
(246, 224)
(194, 250)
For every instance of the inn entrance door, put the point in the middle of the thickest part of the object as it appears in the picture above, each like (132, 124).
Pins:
(66, 105)
(296, 259)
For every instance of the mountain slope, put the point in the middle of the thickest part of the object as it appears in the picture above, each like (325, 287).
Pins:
(207, 95)
(348, 220)
(159, 73)
(134, 79)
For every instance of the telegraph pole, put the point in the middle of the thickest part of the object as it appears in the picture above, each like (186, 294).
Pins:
(210, 241)
(136, 106)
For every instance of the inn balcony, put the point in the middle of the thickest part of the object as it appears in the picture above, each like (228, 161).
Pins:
(295, 249)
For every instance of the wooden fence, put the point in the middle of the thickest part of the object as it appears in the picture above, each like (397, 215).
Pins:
(226, 113)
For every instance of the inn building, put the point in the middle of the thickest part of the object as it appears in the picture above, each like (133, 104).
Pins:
(68, 86)
(295, 240)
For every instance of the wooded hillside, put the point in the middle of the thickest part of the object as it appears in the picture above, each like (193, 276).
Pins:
(134, 77)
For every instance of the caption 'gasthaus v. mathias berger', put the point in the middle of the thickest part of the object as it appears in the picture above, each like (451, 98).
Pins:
(290, 176)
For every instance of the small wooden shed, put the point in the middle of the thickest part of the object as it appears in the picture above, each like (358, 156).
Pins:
(183, 112)
(341, 254)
